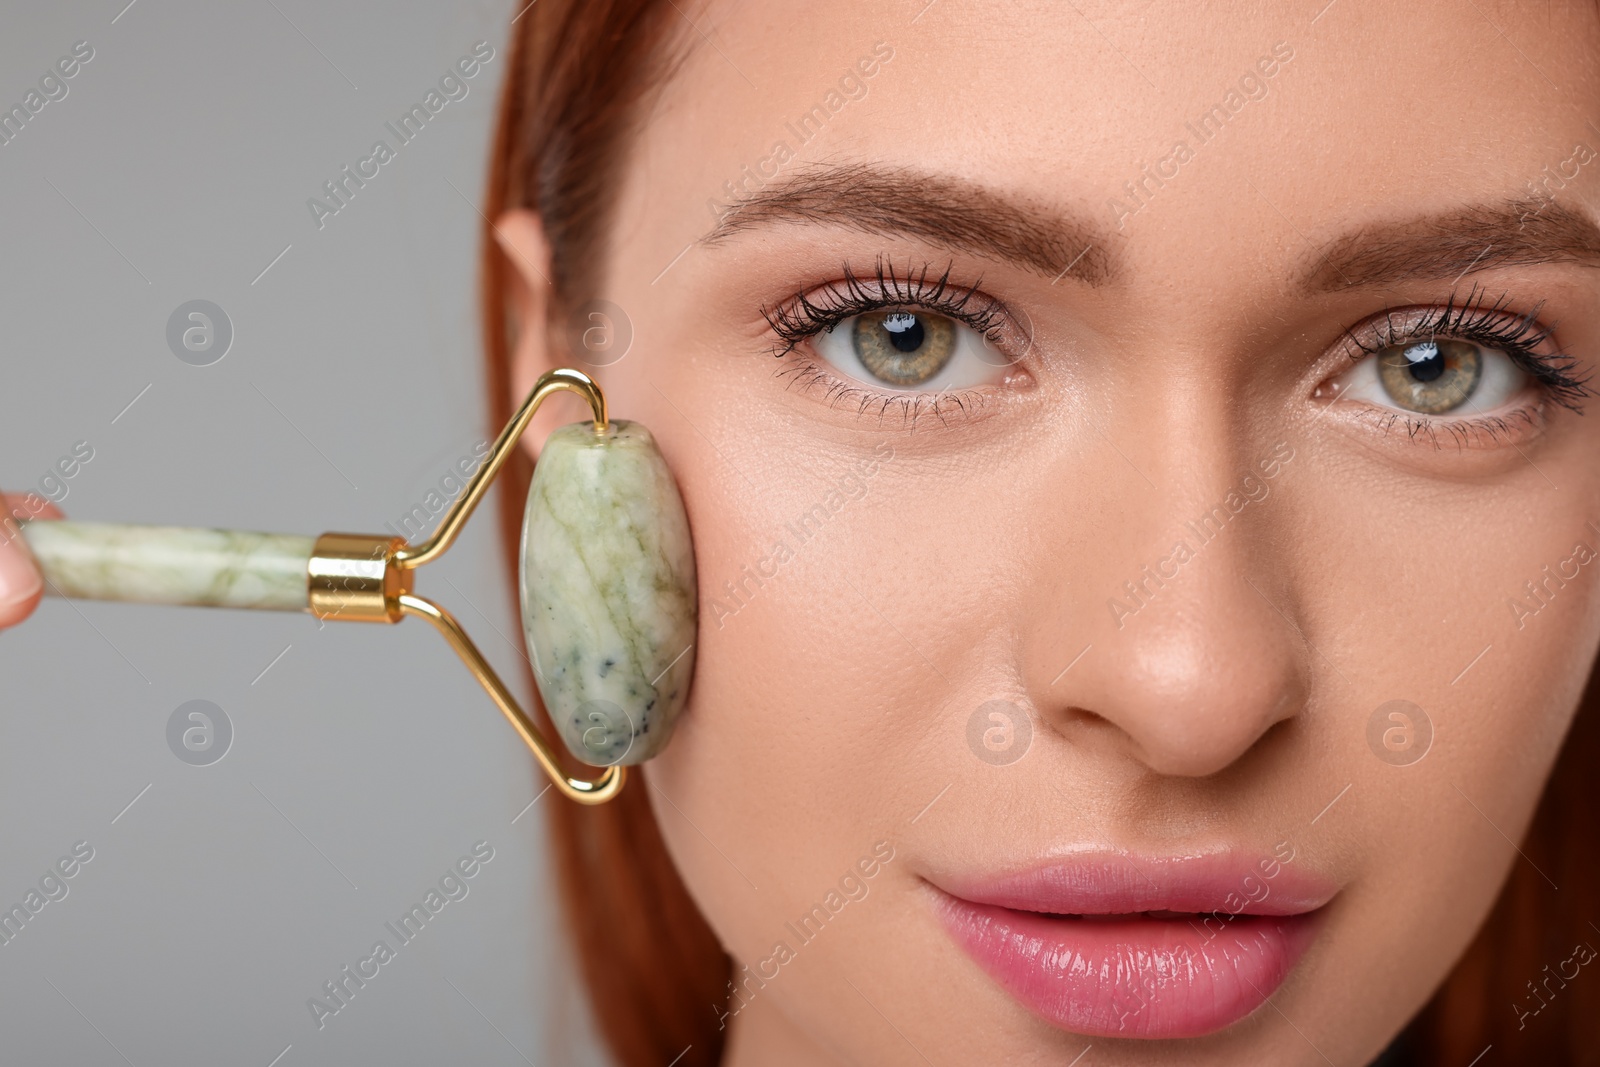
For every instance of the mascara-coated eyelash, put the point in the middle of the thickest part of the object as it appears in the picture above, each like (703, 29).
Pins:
(1480, 431)
(838, 392)
(1491, 324)
(806, 315)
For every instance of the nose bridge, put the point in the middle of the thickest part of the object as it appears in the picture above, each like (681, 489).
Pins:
(1211, 511)
(1195, 649)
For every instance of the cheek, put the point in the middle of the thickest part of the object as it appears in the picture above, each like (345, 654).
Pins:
(1411, 594)
(1459, 600)
(815, 724)
(787, 737)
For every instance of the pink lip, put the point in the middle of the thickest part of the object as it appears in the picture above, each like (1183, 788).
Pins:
(1074, 939)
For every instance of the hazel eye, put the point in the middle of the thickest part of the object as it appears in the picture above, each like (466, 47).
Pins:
(1435, 377)
(903, 348)
(910, 350)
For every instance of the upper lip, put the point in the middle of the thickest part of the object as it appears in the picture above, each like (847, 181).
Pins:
(1103, 883)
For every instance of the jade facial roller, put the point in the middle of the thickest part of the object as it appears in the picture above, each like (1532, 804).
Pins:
(607, 583)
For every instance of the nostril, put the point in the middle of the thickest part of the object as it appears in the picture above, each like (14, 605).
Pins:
(1081, 726)
(1180, 740)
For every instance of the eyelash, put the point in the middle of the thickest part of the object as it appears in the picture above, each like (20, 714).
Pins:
(1478, 320)
(804, 316)
(1481, 321)
(1475, 318)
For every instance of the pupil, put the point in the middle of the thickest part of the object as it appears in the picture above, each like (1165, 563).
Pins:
(1426, 364)
(905, 331)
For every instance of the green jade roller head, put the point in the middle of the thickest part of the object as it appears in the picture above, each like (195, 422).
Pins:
(608, 603)
(607, 583)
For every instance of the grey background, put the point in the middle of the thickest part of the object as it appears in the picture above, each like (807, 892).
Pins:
(364, 760)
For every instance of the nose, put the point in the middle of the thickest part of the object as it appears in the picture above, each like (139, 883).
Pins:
(1198, 652)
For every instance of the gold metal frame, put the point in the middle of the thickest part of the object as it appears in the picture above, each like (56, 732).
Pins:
(369, 578)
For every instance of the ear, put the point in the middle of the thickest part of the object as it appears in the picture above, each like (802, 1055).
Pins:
(538, 346)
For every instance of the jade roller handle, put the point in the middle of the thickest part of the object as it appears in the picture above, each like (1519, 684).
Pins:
(353, 577)
(171, 564)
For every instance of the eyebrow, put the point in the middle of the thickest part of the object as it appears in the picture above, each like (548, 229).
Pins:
(948, 212)
(1453, 244)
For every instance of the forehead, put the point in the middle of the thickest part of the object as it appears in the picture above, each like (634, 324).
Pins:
(1178, 127)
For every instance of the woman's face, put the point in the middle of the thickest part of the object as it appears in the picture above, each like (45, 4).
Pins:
(1194, 391)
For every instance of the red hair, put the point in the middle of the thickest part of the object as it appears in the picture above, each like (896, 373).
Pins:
(657, 977)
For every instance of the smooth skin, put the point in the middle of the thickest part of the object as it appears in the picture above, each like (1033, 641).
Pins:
(830, 708)
(831, 705)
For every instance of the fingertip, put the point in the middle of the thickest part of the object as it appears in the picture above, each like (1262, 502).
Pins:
(21, 584)
(30, 506)
(14, 612)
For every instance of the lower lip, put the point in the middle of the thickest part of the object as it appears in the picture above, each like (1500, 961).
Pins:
(1132, 976)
